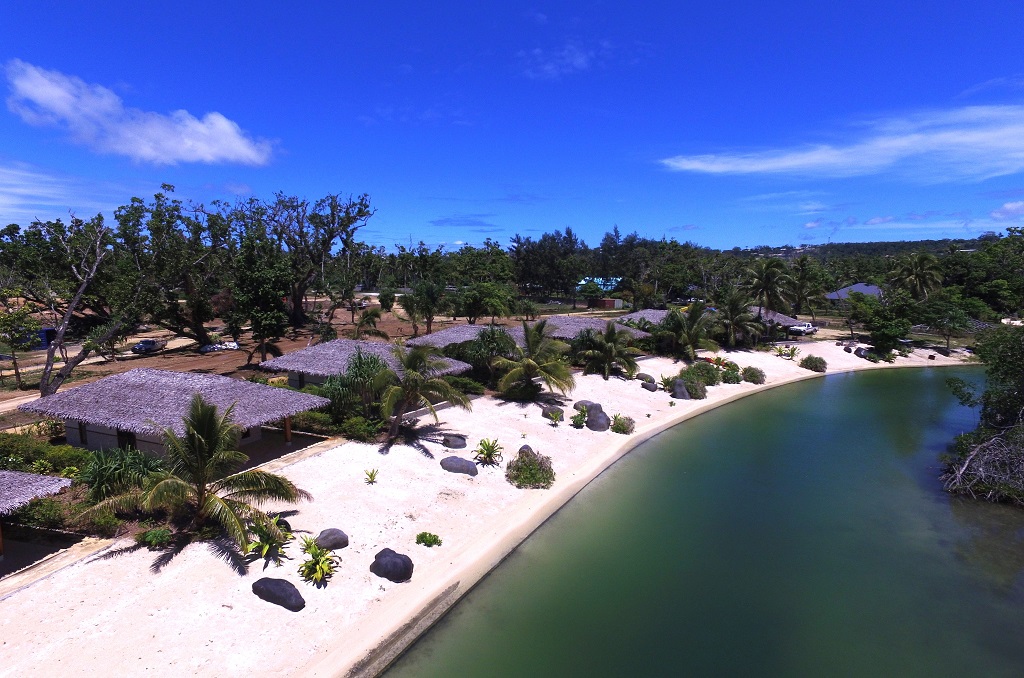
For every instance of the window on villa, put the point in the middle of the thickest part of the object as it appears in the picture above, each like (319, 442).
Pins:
(126, 439)
(83, 433)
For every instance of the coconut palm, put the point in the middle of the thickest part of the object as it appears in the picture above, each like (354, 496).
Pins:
(540, 357)
(805, 286)
(689, 331)
(919, 274)
(367, 325)
(417, 384)
(735, 318)
(609, 350)
(200, 482)
(768, 282)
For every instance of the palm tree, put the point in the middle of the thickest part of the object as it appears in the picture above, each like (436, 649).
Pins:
(540, 356)
(805, 287)
(735, 318)
(609, 350)
(416, 384)
(200, 481)
(768, 281)
(919, 274)
(689, 331)
(367, 325)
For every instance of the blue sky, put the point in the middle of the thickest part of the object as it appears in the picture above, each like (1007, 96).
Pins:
(727, 124)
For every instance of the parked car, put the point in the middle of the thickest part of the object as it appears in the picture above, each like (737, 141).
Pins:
(803, 328)
(148, 346)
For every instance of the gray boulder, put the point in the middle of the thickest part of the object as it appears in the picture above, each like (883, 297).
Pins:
(649, 385)
(679, 390)
(527, 448)
(646, 378)
(459, 465)
(597, 420)
(848, 349)
(861, 352)
(396, 567)
(332, 538)
(594, 408)
(453, 441)
(548, 412)
(581, 405)
(279, 592)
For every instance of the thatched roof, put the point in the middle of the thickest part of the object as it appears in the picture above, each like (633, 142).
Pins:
(769, 317)
(649, 314)
(147, 401)
(18, 489)
(863, 288)
(568, 326)
(456, 334)
(331, 358)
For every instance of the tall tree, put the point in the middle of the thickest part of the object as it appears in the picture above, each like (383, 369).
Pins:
(416, 384)
(19, 330)
(261, 279)
(919, 274)
(768, 282)
(689, 331)
(735, 318)
(806, 286)
(309, 236)
(610, 350)
(539, 357)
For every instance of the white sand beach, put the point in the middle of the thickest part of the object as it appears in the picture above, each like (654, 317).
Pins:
(198, 616)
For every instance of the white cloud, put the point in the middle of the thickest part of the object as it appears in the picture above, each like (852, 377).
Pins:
(97, 118)
(1011, 211)
(571, 58)
(28, 193)
(875, 221)
(814, 224)
(974, 142)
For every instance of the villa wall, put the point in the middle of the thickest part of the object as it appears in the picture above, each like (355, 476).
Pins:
(301, 380)
(104, 437)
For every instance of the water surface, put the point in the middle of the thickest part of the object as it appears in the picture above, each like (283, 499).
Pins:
(799, 532)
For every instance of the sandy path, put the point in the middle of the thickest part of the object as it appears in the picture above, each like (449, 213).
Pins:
(198, 616)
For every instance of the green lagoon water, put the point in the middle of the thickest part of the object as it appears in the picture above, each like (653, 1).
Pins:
(799, 532)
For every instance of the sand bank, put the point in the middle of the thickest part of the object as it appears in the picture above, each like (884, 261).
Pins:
(197, 615)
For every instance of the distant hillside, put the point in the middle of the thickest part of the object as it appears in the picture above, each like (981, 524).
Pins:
(874, 249)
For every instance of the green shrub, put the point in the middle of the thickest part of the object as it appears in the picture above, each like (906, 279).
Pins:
(62, 456)
(46, 512)
(104, 523)
(21, 445)
(731, 377)
(466, 385)
(13, 462)
(889, 357)
(622, 424)
(695, 387)
(579, 420)
(42, 467)
(361, 429)
(116, 471)
(872, 357)
(319, 567)
(269, 537)
(814, 363)
(488, 453)
(428, 539)
(70, 472)
(755, 375)
(154, 539)
(705, 372)
(317, 423)
(530, 470)
(257, 379)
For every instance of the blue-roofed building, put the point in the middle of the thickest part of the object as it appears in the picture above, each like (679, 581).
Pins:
(863, 288)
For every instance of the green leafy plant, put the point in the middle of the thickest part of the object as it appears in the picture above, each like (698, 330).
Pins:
(666, 382)
(42, 467)
(320, 564)
(814, 363)
(371, 476)
(71, 472)
(755, 375)
(556, 417)
(792, 352)
(317, 423)
(530, 470)
(731, 377)
(579, 420)
(46, 512)
(115, 471)
(695, 387)
(154, 539)
(269, 537)
(466, 385)
(428, 539)
(361, 429)
(704, 372)
(488, 452)
(622, 424)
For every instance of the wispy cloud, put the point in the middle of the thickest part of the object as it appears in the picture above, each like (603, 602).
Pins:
(95, 117)
(568, 59)
(28, 193)
(877, 221)
(974, 142)
(1011, 211)
(477, 223)
(1013, 82)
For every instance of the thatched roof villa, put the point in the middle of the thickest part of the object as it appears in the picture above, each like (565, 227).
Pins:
(651, 315)
(17, 489)
(560, 327)
(315, 364)
(767, 316)
(136, 407)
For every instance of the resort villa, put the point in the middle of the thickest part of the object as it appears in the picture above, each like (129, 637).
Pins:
(767, 316)
(134, 409)
(17, 489)
(315, 364)
(563, 327)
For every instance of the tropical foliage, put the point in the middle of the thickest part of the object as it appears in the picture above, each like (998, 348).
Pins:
(417, 384)
(608, 351)
(539, 358)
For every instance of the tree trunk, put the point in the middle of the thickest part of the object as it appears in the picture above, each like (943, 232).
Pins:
(17, 372)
